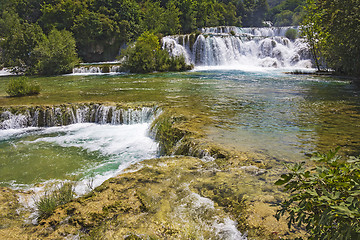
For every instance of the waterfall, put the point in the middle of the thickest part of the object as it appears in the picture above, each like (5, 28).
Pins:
(97, 69)
(67, 114)
(227, 45)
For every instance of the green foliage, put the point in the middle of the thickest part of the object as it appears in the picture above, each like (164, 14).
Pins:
(146, 56)
(56, 54)
(291, 33)
(102, 27)
(166, 134)
(47, 204)
(287, 13)
(60, 14)
(21, 86)
(19, 40)
(140, 58)
(324, 199)
(332, 31)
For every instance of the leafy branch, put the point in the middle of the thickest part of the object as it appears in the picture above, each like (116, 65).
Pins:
(325, 199)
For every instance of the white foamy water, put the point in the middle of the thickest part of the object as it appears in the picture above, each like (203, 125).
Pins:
(118, 145)
(5, 72)
(240, 48)
(206, 218)
(107, 139)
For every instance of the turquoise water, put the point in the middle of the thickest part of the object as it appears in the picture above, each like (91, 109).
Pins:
(263, 111)
(77, 152)
(285, 116)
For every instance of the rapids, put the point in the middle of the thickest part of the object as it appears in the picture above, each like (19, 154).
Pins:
(224, 46)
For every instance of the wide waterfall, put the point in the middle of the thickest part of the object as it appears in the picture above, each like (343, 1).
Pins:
(261, 47)
(67, 114)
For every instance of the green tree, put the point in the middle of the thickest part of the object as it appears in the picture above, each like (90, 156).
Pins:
(172, 20)
(248, 15)
(56, 54)
(340, 25)
(19, 40)
(332, 30)
(311, 29)
(261, 9)
(95, 33)
(146, 56)
(187, 15)
(286, 13)
(230, 17)
(60, 14)
(284, 18)
(153, 19)
(141, 57)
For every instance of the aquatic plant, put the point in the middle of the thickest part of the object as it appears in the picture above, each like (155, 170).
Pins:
(166, 133)
(51, 200)
(325, 199)
(21, 86)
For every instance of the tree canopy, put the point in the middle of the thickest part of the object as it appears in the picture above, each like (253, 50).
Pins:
(332, 29)
(101, 27)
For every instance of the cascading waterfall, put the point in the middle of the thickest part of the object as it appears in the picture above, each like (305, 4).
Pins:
(262, 47)
(65, 115)
(85, 140)
(96, 69)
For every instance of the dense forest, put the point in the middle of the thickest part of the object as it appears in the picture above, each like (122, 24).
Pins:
(34, 32)
(101, 27)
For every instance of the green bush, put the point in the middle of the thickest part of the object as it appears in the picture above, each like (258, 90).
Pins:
(147, 56)
(47, 204)
(325, 199)
(291, 33)
(56, 54)
(21, 86)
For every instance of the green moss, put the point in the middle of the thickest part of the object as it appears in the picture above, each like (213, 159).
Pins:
(166, 133)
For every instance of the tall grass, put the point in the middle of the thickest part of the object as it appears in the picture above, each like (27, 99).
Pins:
(47, 204)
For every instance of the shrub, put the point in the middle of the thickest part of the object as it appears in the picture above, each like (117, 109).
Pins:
(291, 33)
(21, 86)
(47, 204)
(146, 56)
(324, 199)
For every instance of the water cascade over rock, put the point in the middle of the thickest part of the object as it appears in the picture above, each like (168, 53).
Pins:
(50, 116)
(97, 69)
(262, 47)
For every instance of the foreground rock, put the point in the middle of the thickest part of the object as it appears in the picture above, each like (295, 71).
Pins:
(166, 198)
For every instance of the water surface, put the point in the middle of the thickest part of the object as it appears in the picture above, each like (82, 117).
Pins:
(259, 110)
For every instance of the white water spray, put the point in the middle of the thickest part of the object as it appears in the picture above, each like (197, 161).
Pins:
(233, 46)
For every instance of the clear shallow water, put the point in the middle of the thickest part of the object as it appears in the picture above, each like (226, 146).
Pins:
(285, 115)
(77, 152)
(257, 110)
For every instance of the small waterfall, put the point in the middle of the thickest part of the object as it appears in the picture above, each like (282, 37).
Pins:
(227, 45)
(67, 114)
(97, 69)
